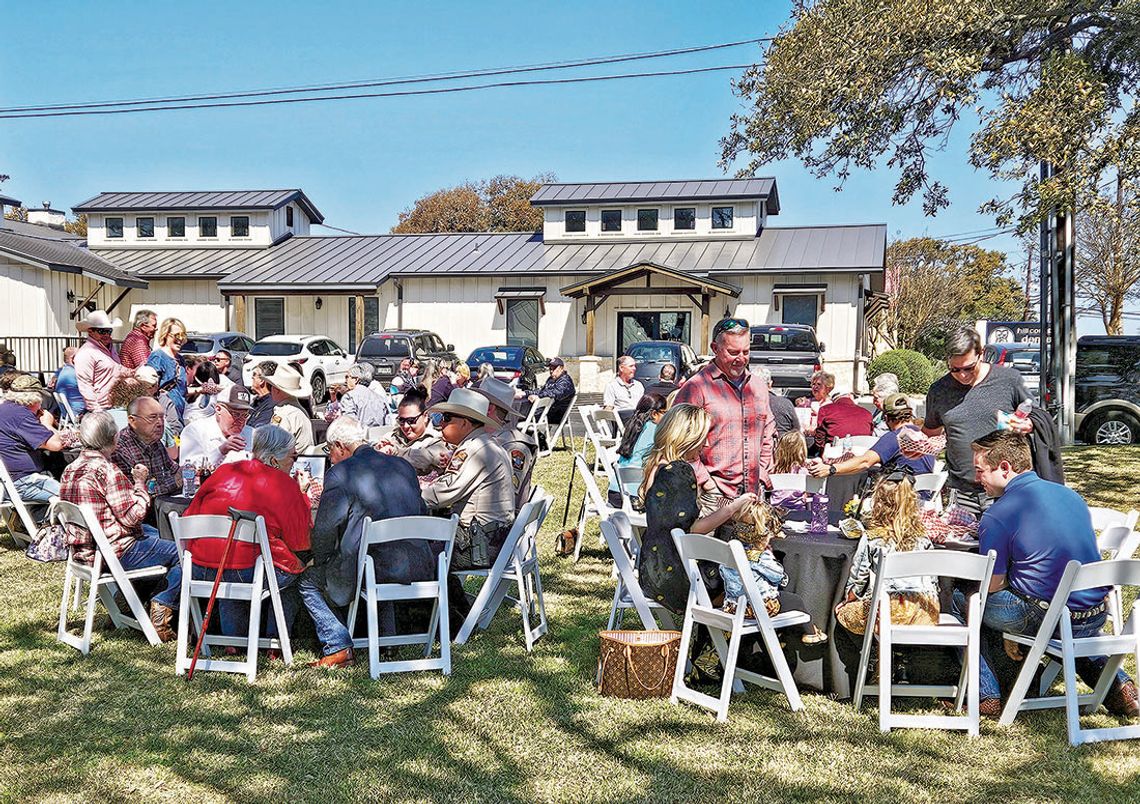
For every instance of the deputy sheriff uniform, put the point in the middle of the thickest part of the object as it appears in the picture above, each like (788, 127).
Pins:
(521, 448)
(425, 454)
(294, 421)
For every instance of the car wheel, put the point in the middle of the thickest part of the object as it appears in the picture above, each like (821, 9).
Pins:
(1114, 428)
(320, 389)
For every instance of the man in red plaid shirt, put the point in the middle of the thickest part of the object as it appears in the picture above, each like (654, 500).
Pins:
(738, 454)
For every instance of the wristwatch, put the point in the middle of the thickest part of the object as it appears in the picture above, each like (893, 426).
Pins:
(831, 470)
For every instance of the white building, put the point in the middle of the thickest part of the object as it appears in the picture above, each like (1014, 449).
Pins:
(614, 263)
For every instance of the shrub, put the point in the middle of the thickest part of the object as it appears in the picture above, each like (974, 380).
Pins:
(912, 368)
(889, 363)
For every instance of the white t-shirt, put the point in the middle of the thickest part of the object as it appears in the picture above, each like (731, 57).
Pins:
(202, 440)
(620, 396)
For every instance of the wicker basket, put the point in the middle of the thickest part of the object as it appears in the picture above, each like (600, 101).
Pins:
(637, 664)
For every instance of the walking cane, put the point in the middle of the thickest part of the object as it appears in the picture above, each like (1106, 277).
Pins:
(236, 516)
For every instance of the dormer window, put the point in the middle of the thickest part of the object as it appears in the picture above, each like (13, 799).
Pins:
(685, 219)
(207, 226)
(113, 227)
(576, 220)
(647, 220)
(722, 217)
(144, 228)
(176, 227)
(239, 226)
(611, 220)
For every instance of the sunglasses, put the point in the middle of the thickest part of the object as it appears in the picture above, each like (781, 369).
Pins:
(726, 324)
(965, 369)
(409, 420)
(102, 330)
(449, 417)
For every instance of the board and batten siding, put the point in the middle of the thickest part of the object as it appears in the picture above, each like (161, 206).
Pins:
(196, 302)
(35, 299)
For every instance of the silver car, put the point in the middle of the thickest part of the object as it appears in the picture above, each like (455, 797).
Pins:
(207, 344)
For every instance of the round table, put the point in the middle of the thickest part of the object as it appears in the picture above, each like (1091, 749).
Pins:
(162, 507)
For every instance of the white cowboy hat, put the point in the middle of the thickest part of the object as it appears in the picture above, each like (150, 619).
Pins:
(98, 319)
(289, 380)
(468, 404)
(500, 394)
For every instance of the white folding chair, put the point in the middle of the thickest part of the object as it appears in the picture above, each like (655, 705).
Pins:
(595, 505)
(432, 529)
(948, 631)
(1108, 517)
(535, 422)
(104, 576)
(189, 533)
(623, 546)
(700, 610)
(559, 431)
(65, 408)
(805, 483)
(608, 428)
(516, 564)
(932, 483)
(859, 444)
(13, 506)
(629, 481)
(1067, 649)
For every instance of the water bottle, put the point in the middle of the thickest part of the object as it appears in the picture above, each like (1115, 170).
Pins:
(1022, 413)
(846, 445)
(819, 507)
(189, 480)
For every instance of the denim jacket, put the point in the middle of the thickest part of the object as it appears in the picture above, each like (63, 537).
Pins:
(768, 572)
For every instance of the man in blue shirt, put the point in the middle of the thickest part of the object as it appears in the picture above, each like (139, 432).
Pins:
(885, 452)
(67, 383)
(1036, 528)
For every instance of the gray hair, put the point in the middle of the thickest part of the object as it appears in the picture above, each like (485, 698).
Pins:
(366, 372)
(144, 316)
(25, 398)
(138, 402)
(356, 371)
(486, 371)
(346, 431)
(885, 384)
(764, 375)
(271, 441)
(97, 431)
(626, 360)
(962, 341)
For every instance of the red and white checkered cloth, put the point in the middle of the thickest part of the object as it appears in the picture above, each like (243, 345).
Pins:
(954, 524)
(915, 441)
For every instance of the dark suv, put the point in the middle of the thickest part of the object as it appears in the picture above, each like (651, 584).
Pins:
(790, 352)
(1107, 386)
(385, 349)
(652, 355)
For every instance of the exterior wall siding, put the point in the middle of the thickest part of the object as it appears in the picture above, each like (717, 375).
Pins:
(196, 302)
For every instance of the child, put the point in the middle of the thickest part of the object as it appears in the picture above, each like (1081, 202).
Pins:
(789, 458)
(893, 525)
(754, 526)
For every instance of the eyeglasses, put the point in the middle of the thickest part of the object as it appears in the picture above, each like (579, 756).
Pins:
(179, 337)
(726, 324)
(102, 330)
(409, 420)
(236, 414)
(965, 369)
(151, 418)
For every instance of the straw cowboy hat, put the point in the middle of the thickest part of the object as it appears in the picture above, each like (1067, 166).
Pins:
(98, 319)
(289, 380)
(468, 404)
(500, 394)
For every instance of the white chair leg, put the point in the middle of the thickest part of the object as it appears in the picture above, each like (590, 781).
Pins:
(884, 676)
(444, 621)
(254, 634)
(783, 671)
(686, 637)
(974, 663)
(64, 600)
(93, 590)
(729, 669)
(1072, 693)
(373, 630)
(182, 660)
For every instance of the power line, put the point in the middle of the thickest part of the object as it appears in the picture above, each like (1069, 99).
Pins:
(338, 229)
(380, 82)
(401, 93)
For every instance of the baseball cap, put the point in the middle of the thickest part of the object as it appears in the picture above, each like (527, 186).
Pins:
(237, 397)
(554, 362)
(896, 403)
(24, 383)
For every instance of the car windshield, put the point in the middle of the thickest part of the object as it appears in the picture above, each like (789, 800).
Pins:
(276, 348)
(497, 356)
(198, 346)
(783, 340)
(385, 346)
(651, 353)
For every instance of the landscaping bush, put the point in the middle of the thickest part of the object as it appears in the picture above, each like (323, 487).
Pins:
(912, 368)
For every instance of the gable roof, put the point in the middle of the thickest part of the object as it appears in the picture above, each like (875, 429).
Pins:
(614, 192)
(38, 230)
(9, 201)
(198, 199)
(60, 255)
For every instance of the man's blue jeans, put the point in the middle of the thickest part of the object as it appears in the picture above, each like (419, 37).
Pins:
(332, 633)
(37, 488)
(233, 615)
(151, 551)
(1005, 612)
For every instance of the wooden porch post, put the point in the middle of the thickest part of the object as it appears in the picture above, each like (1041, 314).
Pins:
(358, 335)
(706, 303)
(589, 325)
(238, 322)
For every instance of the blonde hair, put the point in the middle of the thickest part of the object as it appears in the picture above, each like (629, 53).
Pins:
(167, 325)
(682, 429)
(463, 370)
(894, 514)
(756, 524)
(790, 453)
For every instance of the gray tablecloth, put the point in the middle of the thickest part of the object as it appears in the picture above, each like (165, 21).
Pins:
(162, 508)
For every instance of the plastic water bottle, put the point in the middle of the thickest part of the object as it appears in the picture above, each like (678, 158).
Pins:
(1022, 413)
(819, 507)
(846, 445)
(189, 480)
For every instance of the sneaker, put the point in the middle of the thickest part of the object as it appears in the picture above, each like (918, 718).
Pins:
(1121, 699)
(161, 618)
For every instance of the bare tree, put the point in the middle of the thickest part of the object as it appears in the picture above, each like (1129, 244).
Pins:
(1108, 255)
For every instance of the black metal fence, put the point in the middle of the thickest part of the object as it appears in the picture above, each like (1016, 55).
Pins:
(36, 353)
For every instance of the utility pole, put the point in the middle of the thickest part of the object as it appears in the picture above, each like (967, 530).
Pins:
(1058, 312)
(1028, 281)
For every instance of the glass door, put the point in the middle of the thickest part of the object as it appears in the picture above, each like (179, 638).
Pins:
(651, 326)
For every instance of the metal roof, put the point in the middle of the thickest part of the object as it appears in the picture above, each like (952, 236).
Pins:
(198, 199)
(631, 192)
(323, 263)
(60, 255)
(180, 263)
(38, 230)
(9, 201)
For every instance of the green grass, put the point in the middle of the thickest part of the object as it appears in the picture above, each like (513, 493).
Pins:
(506, 725)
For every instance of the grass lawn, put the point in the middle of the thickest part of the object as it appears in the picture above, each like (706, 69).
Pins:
(506, 725)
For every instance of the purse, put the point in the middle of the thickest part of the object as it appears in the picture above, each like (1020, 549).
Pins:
(50, 544)
(637, 664)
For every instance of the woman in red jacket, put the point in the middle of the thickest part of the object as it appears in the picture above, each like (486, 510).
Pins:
(261, 485)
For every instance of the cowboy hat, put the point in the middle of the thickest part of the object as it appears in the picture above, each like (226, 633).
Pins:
(500, 394)
(98, 319)
(468, 404)
(290, 381)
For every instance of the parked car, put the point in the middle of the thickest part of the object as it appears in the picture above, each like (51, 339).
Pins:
(521, 366)
(1023, 357)
(319, 359)
(207, 344)
(1107, 385)
(651, 356)
(790, 352)
(385, 349)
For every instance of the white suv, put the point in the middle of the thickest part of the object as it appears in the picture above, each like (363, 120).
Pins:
(318, 358)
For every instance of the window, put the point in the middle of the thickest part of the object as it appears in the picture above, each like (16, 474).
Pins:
(208, 227)
(722, 217)
(685, 218)
(371, 319)
(268, 316)
(800, 309)
(318, 348)
(176, 227)
(576, 220)
(647, 220)
(144, 227)
(114, 227)
(289, 216)
(522, 322)
(239, 226)
(611, 220)
(651, 326)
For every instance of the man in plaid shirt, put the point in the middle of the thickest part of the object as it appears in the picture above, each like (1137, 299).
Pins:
(141, 443)
(738, 455)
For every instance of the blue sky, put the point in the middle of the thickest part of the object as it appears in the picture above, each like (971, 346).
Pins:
(363, 161)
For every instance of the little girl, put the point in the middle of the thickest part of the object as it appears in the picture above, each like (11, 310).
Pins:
(892, 526)
(789, 458)
(754, 526)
